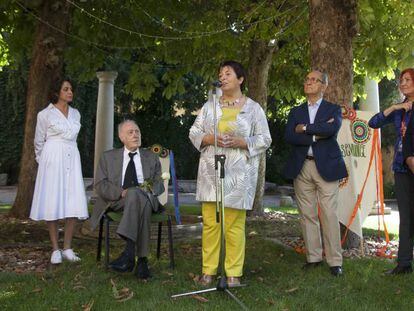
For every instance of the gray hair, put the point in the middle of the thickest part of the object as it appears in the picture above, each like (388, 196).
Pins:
(120, 125)
(324, 76)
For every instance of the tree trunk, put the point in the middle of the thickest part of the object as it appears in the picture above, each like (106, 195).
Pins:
(45, 67)
(332, 28)
(333, 24)
(260, 60)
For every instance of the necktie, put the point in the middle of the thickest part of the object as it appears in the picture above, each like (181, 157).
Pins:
(130, 179)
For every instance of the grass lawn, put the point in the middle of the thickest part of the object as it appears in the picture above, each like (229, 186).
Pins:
(272, 272)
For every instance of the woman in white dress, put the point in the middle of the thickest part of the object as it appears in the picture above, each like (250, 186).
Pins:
(59, 191)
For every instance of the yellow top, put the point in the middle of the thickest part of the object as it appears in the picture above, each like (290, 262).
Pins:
(227, 123)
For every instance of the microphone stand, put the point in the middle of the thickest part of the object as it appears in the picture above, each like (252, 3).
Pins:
(219, 160)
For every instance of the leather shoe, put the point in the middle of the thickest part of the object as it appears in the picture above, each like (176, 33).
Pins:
(142, 271)
(336, 270)
(123, 263)
(399, 270)
(310, 265)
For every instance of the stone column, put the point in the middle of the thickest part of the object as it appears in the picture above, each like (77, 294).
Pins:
(371, 103)
(104, 131)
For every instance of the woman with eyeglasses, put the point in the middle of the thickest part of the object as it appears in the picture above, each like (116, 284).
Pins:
(243, 135)
(399, 115)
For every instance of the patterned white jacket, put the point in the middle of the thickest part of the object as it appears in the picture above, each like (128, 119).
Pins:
(241, 166)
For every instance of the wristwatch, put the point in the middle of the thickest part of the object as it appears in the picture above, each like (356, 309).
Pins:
(304, 128)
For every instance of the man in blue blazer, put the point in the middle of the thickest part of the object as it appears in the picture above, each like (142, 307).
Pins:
(316, 165)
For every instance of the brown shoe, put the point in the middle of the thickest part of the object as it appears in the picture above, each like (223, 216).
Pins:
(233, 281)
(205, 280)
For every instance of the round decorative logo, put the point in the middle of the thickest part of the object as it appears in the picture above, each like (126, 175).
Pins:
(360, 131)
(348, 113)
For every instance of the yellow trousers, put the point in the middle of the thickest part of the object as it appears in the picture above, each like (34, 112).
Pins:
(234, 226)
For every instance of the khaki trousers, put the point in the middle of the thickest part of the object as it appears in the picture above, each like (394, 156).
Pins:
(311, 188)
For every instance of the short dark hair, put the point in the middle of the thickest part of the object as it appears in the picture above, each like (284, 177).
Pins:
(55, 89)
(238, 69)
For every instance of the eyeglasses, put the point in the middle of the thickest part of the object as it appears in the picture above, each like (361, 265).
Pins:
(312, 80)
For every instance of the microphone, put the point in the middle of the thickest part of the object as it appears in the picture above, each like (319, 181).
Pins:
(216, 83)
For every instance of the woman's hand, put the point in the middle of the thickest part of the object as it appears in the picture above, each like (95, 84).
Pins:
(225, 141)
(407, 106)
(230, 141)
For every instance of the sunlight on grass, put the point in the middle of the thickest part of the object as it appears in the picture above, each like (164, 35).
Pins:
(6, 294)
(5, 208)
(284, 209)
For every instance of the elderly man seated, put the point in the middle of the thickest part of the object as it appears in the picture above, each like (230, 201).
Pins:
(128, 180)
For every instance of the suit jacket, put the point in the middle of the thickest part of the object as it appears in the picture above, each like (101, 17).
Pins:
(328, 156)
(108, 180)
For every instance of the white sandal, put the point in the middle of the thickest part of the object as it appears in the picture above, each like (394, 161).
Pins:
(69, 255)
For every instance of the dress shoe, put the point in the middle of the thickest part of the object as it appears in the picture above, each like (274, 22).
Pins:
(205, 280)
(56, 257)
(123, 263)
(310, 265)
(233, 281)
(336, 270)
(400, 270)
(142, 271)
(69, 255)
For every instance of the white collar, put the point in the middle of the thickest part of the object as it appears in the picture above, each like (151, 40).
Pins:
(126, 151)
(316, 104)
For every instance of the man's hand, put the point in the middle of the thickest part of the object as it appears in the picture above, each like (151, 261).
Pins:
(317, 137)
(410, 163)
(299, 129)
(123, 193)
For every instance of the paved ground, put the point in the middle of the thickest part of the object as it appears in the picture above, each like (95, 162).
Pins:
(8, 194)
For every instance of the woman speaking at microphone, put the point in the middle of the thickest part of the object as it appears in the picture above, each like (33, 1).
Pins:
(242, 135)
(399, 115)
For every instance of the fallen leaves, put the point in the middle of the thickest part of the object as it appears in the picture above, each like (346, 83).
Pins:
(200, 298)
(194, 277)
(88, 306)
(122, 294)
(291, 290)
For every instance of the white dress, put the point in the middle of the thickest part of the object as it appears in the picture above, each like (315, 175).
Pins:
(59, 191)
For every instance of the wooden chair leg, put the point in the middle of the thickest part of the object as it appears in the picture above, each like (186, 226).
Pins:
(99, 249)
(106, 242)
(159, 239)
(170, 243)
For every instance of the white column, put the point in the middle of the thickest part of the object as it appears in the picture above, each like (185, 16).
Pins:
(371, 103)
(104, 131)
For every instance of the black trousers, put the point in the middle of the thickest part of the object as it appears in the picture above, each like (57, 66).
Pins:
(404, 191)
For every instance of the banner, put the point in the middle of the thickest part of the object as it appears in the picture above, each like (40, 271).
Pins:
(359, 193)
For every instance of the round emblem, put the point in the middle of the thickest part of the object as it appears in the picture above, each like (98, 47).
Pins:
(360, 131)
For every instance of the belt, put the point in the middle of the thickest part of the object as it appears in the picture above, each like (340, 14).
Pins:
(308, 157)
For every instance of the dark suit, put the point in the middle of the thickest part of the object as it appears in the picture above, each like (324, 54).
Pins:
(328, 157)
(316, 179)
(137, 205)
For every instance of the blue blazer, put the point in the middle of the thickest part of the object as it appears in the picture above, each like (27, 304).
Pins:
(328, 156)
